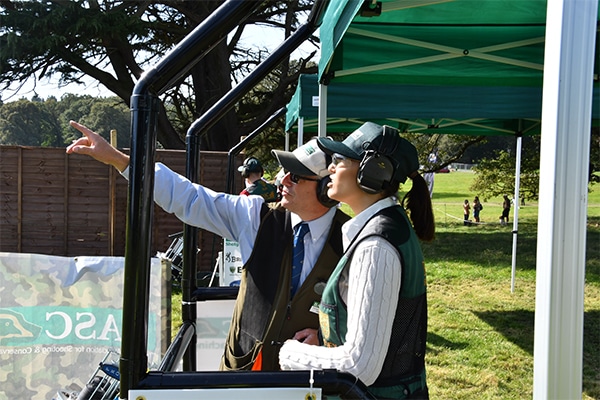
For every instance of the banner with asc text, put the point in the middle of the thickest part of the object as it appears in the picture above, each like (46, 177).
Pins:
(59, 316)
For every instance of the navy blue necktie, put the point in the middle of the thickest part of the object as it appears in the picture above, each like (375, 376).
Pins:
(298, 255)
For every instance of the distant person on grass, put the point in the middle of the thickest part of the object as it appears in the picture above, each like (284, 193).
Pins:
(466, 213)
(505, 210)
(477, 207)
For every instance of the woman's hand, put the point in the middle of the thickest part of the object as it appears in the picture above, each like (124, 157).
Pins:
(308, 336)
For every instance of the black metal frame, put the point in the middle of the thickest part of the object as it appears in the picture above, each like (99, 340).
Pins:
(144, 111)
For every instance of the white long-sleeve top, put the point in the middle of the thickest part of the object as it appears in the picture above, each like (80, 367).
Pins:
(372, 297)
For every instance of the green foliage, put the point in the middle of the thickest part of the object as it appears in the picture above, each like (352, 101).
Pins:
(446, 148)
(28, 123)
(107, 115)
(46, 123)
(113, 42)
(496, 176)
(595, 156)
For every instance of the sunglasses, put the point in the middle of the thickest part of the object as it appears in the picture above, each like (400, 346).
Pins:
(337, 158)
(296, 178)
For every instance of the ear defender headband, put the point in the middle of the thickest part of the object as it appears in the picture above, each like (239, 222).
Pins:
(322, 188)
(377, 169)
(245, 168)
(322, 193)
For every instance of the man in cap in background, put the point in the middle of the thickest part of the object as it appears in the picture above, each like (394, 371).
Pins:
(266, 313)
(252, 172)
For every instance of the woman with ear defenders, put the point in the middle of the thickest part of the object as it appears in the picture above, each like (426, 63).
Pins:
(373, 311)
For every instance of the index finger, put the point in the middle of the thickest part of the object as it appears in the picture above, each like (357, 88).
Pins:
(82, 128)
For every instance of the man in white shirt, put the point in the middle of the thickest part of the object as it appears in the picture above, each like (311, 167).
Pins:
(265, 314)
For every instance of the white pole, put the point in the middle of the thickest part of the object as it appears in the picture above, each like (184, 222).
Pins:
(300, 132)
(322, 110)
(516, 210)
(560, 269)
(287, 141)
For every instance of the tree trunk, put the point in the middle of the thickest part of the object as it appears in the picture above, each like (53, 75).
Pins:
(212, 80)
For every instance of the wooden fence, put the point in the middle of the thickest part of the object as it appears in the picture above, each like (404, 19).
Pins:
(71, 205)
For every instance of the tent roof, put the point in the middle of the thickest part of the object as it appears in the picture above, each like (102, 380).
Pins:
(428, 62)
(469, 42)
(421, 108)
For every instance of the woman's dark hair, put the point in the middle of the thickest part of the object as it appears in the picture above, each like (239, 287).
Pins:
(418, 202)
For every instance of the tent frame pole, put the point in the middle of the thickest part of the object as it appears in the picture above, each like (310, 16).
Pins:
(516, 208)
(564, 164)
(322, 131)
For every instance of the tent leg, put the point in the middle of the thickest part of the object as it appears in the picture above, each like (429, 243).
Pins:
(322, 110)
(564, 164)
(300, 132)
(516, 210)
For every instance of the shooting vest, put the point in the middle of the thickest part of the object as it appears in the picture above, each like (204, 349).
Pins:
(264, 316)
(403, 370)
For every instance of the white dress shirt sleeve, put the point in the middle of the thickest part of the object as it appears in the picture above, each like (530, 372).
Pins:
(231, 216)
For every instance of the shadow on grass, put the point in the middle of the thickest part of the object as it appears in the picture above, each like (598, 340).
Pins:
(435, 342)
(491, 246)
(448, 197)
(486, 247)
(518, 327)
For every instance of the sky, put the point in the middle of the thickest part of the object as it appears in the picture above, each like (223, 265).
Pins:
(45, 88)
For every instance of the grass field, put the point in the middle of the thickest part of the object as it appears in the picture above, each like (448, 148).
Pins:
(480, 335)
(480, 341)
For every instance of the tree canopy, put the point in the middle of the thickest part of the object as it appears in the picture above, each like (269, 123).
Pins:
(46, 122)
(495, 175)
(113, 42)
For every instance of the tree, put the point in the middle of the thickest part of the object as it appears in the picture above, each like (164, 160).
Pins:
(114, 41)
(495, 176)
(594, 172)
(107, 115)
(447, 148)
(28, 123)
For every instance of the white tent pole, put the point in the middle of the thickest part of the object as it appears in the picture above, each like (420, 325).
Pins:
(300, 132)
(565, 149)
(516, 208)
(287, 141)
(322, 110)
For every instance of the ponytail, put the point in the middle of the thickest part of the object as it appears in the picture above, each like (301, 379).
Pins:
(418, 203)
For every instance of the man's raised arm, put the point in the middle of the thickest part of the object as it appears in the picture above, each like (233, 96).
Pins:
(97, 147)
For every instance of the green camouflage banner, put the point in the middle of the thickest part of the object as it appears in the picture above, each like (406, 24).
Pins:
(60, 316)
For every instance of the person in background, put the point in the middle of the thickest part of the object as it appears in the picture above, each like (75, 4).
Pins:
(466, 213)
(265, 312)
(505, 210)
(477, 207)
(252, 172)
(373, 312)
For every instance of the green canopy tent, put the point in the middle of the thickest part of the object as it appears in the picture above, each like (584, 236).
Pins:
(478, 110)
(416, 108)
(467, 45)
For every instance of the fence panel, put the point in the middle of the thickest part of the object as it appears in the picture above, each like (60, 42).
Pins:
(71, 205)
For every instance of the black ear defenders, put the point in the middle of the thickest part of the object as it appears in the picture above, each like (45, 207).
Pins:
(245, 172)
(322, 193)
(245, 168)
(376, 169)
